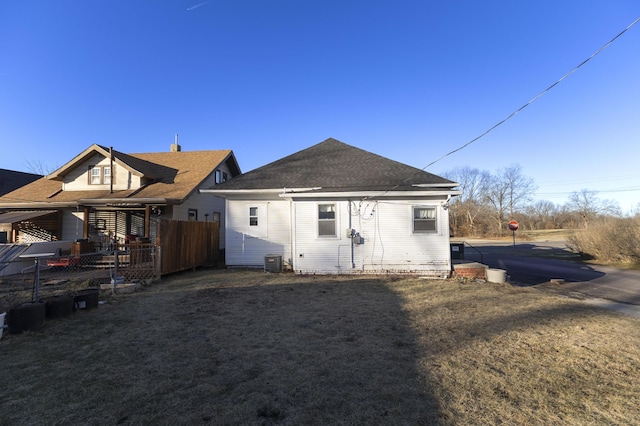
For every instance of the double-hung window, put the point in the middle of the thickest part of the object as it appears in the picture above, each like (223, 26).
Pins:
(424, 219)
(106, 175)
(256, 220)
(327, 220)
(99, 175)
(253, 216)
(96, 176)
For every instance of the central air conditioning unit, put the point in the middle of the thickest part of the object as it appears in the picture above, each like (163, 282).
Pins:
(273, 263)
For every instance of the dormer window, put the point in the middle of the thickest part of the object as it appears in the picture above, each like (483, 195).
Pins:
(221, 176)
(99, 175)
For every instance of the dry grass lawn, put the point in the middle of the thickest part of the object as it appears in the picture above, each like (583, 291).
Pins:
(250, 348)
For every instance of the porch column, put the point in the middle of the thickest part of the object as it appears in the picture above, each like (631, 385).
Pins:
(147, 220)
(85, 223)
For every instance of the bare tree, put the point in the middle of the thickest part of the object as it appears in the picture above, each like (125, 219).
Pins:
(588, 206)
(38, 167)
(543, 215)
(508, 192)
(466, 208)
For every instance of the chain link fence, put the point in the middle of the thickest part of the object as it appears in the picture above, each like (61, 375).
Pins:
(31, 277)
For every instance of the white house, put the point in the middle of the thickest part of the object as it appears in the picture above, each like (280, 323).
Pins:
(336, 209)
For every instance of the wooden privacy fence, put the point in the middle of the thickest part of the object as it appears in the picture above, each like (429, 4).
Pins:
(187, 244)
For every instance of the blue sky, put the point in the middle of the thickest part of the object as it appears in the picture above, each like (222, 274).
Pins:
(409, 80)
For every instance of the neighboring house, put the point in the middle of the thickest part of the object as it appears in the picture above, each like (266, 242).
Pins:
(333, 208)
(10, 180)
(105, 196)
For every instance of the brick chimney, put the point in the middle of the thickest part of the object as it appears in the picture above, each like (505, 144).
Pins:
(175, 147)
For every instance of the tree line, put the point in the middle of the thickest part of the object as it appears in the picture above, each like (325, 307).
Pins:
(490, 200)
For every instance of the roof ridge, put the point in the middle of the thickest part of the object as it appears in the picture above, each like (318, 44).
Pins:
(334, 164)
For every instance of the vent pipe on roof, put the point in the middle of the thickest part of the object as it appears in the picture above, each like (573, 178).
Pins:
(175, 147)
(111, 169)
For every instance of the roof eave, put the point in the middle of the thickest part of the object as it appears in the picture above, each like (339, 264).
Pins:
(314, 193)
(222, 192)
(39, 205)
(128, 201)
(435, 185)
(232, 164)
(372, 194)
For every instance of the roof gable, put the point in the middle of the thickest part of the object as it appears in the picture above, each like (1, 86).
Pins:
(335, 166)
(170, 176)
(136, 166)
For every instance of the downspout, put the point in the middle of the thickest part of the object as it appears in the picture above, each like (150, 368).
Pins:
(292, 237)
(353, 263)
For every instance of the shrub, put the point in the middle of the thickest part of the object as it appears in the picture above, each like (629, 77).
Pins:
(614, 240)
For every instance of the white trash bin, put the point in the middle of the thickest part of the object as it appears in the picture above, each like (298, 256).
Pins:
(496, 275)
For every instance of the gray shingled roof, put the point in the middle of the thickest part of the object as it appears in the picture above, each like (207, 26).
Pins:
(335, 166)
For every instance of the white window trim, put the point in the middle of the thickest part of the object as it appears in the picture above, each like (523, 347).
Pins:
(335, 220)
(261, 230)
(413, 219)
(104, 175)
(256, 216)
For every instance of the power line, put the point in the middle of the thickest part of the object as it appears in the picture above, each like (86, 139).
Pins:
(565, 182)
(535, 98)
(595, 191)
(525, 105)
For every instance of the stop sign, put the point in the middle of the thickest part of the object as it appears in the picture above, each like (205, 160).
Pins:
(513, 225)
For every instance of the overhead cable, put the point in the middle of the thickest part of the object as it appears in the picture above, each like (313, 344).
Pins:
(534, 98)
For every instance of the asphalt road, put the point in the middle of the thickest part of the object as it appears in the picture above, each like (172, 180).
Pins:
(537, 264)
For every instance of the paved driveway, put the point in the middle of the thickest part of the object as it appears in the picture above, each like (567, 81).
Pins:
(539, 264)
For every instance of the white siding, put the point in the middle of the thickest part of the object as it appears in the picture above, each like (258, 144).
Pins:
(247, 246)
(321, 254)
(389, 246)
(72, 225)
